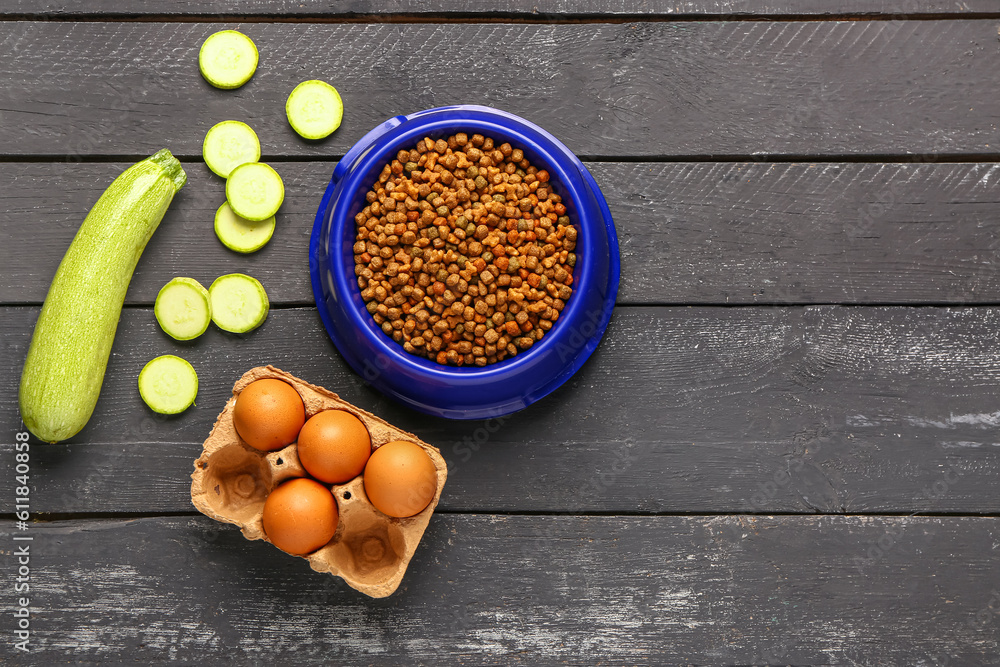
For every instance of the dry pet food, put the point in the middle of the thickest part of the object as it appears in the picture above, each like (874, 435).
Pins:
(464, 254)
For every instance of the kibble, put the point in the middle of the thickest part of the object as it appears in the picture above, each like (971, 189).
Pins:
(464, 254)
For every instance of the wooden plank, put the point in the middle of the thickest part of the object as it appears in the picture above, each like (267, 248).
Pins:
(654, 89)
(485, 589)
(820, 409)
(691, 233)
(45, 204)
(533, 9)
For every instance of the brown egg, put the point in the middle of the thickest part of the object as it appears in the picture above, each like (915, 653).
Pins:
(300, 516)
(269, 414)
(400, 479)
(334, 446)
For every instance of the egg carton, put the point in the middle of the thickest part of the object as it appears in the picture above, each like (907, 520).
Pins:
(370, 551)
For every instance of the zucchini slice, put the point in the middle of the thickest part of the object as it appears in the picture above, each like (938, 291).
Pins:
(168, 384)
(255, 191)
(228, 59)
(182, 308)
(314, 109)
(229, 144)
(239, 303)
(240, 234)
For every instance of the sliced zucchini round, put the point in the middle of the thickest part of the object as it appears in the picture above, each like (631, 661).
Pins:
(314, 109)
(168, 384)
(229, 144)
(254, 191)
(240, 234)
(239, 303)
(228, 59)
(183, 309)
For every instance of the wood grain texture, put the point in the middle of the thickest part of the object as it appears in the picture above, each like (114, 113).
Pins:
(533, 9)
(651, 89)
(690, 233)
(528, 590)
(821, 409)
(626, 518)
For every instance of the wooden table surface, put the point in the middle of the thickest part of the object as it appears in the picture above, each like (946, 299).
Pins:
(785, 450)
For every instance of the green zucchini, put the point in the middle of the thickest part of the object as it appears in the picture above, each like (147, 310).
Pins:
(71, 344)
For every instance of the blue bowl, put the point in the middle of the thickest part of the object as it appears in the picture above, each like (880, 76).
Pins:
(450, 391)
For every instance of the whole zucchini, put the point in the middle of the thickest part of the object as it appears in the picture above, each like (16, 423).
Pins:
(71, 344)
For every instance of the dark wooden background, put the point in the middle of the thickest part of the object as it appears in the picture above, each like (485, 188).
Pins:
(785, 451)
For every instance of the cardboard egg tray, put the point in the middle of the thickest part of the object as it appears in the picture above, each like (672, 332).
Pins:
(231, 480)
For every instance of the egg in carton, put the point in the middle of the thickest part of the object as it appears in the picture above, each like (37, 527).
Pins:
(231, 480)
